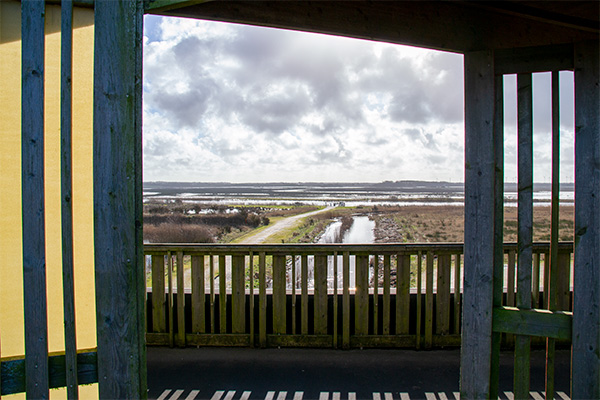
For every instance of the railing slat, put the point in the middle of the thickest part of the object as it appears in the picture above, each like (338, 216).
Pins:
(304, 295)
(170, 299)
(510, 290)
(457, 294)
(293, 282)
(34, 250)
(402, 294)
(198, 295)
(386, 294)
(346, 300)
(251, 268)
(443, 295)
(320, 296)
(335, 300)
(238, 294)
(262, 299)
(419, 300)
(159, 320)
(429, 302)
(361, 296)
(279, 295)
(375, 294)
(180, 301)
(222, 295)
(66, 114)
(211, 266)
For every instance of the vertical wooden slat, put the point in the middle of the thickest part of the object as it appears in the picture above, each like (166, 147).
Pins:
(118, 199)
(546, 280)
(386, 295)
(457, 295)
(586, 305)
(211, 266)
(429, 302)
(402, 294)
(525, 227)
(66, 68)
(346, 300)
(238, 294)
(419, 300)
(293, 281)
(170, 299)
(222, 294)
(279, 297)
(251, 267)
(510, 279)
(535, 281)
(320, 295)
(375, 294)
(198, 295)
(554, 233)
(361, 296)
(479, 223)
(159, 320)
(34, 253)
(304, 295)
(180, 301)
(563, 295)
(262, 299)
(335, 300)
(498, 268)
(442, 297)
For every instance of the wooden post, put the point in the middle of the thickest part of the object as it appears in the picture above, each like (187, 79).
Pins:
(119, 258)
(198, 295)
(402, 294)
(586, 305)
(361, 296)
(238, 294)
(222, 295)
(159, 319)
(386, 294)
(262, 300)
(479, 222)
(66, 48)
(34, 244)
(346, 300)
(304, 294)
(429, 301)
(279, 295)
(180, 301)
(525, 227)
(320, 295)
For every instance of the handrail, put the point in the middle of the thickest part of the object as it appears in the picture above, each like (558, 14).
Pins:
(322, 295)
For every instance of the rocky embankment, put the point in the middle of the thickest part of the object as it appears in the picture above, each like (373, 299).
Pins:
(387, 230)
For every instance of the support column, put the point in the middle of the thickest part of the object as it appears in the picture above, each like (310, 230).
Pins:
(479, 252)
(119, 259)
(586, 305)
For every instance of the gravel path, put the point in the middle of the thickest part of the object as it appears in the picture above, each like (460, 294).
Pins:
(285, 223)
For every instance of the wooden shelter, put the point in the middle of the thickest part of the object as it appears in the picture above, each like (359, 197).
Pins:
(496, 38)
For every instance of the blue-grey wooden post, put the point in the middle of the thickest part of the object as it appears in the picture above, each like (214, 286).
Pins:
(34, 244)
(479, 225)
(586, 304)
(120, 284)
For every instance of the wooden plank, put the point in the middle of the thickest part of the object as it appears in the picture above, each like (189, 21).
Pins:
(419, 300)
(180, 301)
(346, 300)
(547, 285)
(375, 294)
(216, 340)
(211, 266)
(402, 294)
(159, 319)
(586, 306)
(563, 292)
(554, 228)
(238, 294)
(170, 299)
(429, 302)
(279, 295)
(293, 282)
(304, 295)
(479, 246)
(442, 297)
(457, 293)
(535, 281)
(386, 295)
(320, 295)
(533, 59)
(498, 284)
(361, 296)
(510, 279)
(198, 295)
(525, 226)
(533, 322)
(322, 341)
(222, 294)
(32, 148)
(335, 300)
(66, 112)
(262, 299)
(252, 281)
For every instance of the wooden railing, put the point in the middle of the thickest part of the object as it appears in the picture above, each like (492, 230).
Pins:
(378, 295)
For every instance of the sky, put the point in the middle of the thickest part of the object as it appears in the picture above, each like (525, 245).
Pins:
(235, 103)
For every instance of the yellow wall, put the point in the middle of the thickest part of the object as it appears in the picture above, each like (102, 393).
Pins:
(11, 275)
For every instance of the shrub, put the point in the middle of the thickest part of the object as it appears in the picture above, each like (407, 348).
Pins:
(178, 233)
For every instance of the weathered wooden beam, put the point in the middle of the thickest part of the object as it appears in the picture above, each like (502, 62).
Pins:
(66, 65)
(479, 225)
(32, 189)
(161, 6)
(520, 60)
(586, 304)
(180, 301)
(119, 259)
(533, 322)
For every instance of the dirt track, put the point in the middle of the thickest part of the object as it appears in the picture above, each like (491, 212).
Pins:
(285, 223)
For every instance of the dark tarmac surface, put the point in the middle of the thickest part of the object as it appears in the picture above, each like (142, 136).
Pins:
(278, 374)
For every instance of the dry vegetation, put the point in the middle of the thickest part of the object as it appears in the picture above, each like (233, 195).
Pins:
(446, 224)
